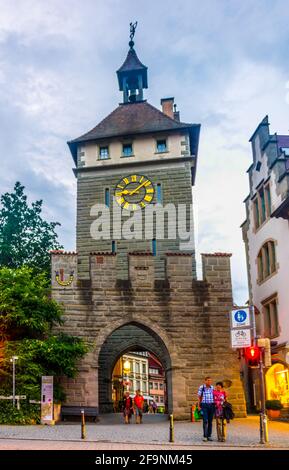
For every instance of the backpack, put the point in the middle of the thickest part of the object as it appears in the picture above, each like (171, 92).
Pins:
(228, 412)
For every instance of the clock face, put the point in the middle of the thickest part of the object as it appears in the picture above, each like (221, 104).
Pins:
(134, 192)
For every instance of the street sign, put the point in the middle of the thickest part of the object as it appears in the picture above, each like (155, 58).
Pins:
(241, 338)
(240, 318)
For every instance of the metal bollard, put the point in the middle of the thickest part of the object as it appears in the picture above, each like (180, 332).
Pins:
(193, 413)
(172, 437)
(83, 430)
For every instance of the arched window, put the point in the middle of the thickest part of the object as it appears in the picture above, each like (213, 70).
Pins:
(266, 261)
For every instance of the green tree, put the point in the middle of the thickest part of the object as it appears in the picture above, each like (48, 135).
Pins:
(25, 237)
(27, 316)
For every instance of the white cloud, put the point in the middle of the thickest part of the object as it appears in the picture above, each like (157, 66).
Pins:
(57, 77)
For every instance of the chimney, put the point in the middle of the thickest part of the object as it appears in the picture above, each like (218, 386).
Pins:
(167, 106)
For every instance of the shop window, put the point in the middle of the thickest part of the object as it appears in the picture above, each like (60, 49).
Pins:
(277, 384)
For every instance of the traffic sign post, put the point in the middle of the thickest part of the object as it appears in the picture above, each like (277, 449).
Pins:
(243, 331)
(240, 321)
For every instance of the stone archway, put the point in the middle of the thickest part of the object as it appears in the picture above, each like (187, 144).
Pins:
(130, 336)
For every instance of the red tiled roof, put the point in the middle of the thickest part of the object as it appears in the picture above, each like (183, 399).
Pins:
(178, 253)
(102, 253)
(62, 252)
(132, 118)
(217, 254)
(140, 253)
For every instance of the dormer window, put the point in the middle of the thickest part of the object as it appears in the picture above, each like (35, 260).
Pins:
(162, 146)
(103, 153)
(127, 150)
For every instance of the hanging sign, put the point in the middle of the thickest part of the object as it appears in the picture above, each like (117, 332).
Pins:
(47, 400)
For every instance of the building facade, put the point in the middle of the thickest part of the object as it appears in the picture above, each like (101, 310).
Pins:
(138, 291)
(131, 373)
(157, 382)
(266, 237)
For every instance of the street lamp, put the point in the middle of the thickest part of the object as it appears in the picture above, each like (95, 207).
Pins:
(126, 370)
(13, 360)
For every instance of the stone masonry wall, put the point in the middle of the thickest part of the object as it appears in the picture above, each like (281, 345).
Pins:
(176, 187)
(188, 319)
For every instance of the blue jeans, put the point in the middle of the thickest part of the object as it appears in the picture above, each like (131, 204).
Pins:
(208, 410)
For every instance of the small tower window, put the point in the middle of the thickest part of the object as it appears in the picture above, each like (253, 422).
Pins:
(107, 197)
(159, 193)
(113, 246)
(162, 146)
(103, 153)
(127, 150)
(154, 247)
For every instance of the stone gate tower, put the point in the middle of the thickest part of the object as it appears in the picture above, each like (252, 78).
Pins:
(135, 289)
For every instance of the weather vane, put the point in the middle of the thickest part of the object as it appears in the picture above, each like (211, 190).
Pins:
(132, 33)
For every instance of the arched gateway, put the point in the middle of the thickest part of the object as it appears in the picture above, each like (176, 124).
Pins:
(133, 283)
(133, 336)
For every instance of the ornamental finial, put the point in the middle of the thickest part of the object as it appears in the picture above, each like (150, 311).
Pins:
(132, 29)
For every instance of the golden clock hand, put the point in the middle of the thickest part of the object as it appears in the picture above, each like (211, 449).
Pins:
(136, 189)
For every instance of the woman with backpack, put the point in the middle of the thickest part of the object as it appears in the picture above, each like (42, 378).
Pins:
(220, 397)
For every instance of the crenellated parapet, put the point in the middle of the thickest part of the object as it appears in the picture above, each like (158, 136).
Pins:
(217, 269)
(103, 272)
(141, 269)
(179, 270)
(102, 269)
(63, 269)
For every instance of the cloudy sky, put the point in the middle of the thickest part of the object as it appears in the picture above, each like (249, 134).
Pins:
(226, 63)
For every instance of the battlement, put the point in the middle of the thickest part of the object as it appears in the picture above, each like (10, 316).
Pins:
(63, 269)
(217, 268)
(103, 272)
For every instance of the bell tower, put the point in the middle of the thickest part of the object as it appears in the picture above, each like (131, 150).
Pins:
(142, 160)
(132, 75)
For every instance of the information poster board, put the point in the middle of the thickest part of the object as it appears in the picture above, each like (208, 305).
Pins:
(47, 400)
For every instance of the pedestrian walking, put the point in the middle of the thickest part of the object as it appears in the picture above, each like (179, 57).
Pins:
(207, 406)
(155, 407)
(220, 396)
(127, 408)
(138, 407)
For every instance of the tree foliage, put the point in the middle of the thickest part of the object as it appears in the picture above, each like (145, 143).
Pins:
(26, 311)
(25, 237)
(27, 315)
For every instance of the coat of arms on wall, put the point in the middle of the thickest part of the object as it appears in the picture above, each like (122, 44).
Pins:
(59, 277)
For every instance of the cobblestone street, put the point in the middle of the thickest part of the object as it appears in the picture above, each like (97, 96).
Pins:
(110, 433)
